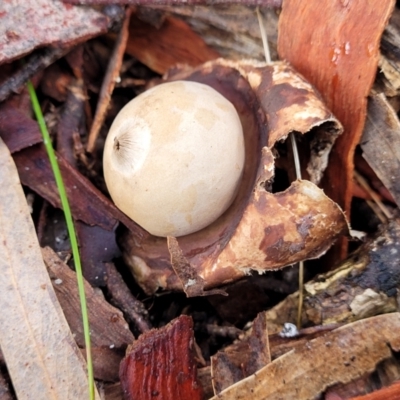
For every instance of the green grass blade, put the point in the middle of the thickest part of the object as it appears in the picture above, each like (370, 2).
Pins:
(71, 232)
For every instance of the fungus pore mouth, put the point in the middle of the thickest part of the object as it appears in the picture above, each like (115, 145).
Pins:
(117, 144)
(121, 148)
(130, 146)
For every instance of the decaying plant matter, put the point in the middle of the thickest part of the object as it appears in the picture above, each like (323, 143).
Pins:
(343, 355)
(261, 230)
(363, 285)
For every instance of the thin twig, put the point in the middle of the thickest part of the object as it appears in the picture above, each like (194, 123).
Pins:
(301, 263)
(223, 331)
(296, 164)
(111, 77)
(295, 156)
(301, 294)
(122, 297)
(372, 205)
(365, 185)
(264, 37)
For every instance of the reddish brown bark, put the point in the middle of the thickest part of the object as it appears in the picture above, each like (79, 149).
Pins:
(160, 364)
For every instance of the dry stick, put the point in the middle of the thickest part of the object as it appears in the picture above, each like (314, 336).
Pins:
(263, 36)
(377, 211)
(38, 61)
(364, 184)
(296, 164)
(123, 298)
(109, 82)
(301, 263)
(223, 331)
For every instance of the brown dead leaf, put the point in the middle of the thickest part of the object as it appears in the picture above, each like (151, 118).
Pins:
(105, 363)
(11, 120)
(108, 327)
(389, 63)
(88, 204)
(26, 25)
(380, 143)
(97, 246)
(243, 358)
(149, 44)
(337, 357)
(41, 355)
(113, 392)
(56, 83)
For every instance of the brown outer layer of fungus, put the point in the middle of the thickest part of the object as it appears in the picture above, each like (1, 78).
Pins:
(261, 230)
(335, 45)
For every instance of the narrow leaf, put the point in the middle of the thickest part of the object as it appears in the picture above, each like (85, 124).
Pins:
(41, 355)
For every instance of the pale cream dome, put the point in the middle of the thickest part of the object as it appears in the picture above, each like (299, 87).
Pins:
(174, 157)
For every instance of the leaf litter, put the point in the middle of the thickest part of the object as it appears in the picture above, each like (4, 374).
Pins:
(362, 286)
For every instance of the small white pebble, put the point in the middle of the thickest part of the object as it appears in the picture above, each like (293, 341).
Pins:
(58, 281)
(289, 330)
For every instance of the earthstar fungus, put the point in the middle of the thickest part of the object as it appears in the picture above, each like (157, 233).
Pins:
(174, 157)
(261, 230)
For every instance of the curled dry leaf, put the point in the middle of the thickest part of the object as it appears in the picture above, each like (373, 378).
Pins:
(261, 230)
